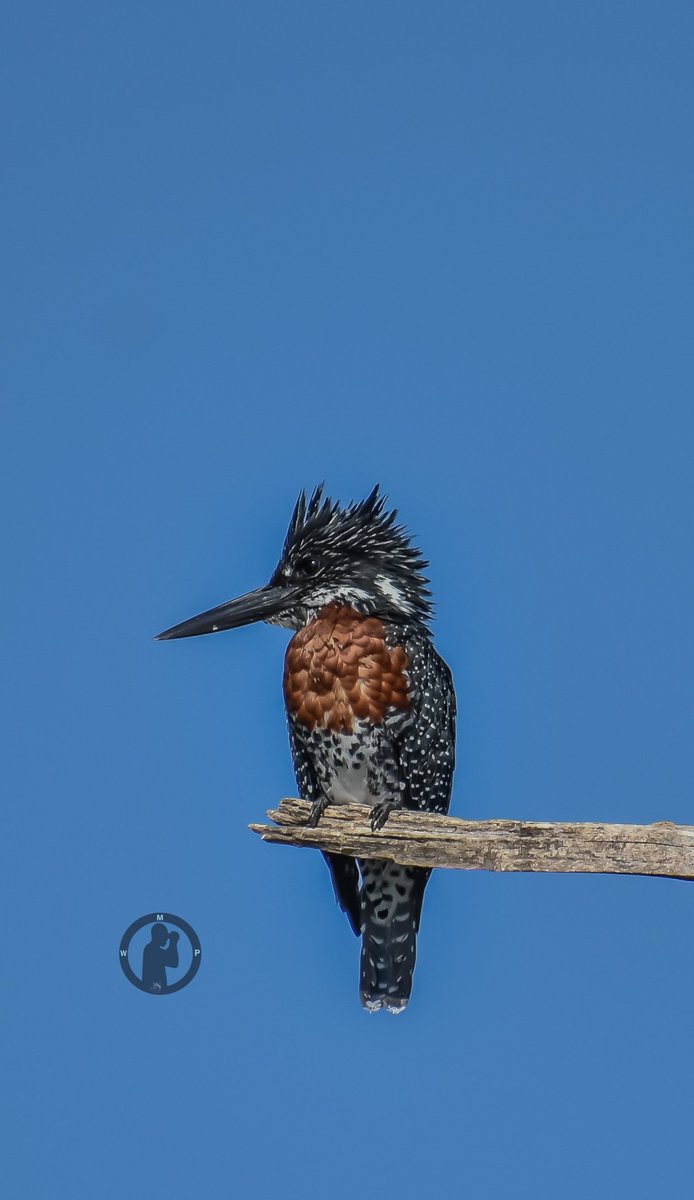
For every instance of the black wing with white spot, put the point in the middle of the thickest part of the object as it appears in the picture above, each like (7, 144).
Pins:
(343, 870)
(423, 738)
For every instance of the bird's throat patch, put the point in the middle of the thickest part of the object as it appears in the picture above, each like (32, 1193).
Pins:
(338, 669)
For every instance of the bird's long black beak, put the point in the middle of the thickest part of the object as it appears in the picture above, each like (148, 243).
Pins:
(266, 602)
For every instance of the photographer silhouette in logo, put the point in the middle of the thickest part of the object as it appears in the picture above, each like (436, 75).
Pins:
(157, 956)
(161, 951)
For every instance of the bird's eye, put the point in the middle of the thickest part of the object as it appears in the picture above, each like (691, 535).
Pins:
(307, 564)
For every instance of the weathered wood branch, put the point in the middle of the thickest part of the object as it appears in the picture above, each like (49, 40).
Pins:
(426, 840)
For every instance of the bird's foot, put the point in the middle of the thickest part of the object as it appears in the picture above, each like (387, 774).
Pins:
(317, 809)
(380, 813)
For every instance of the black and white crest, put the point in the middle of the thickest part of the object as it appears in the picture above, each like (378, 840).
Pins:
(356, 553)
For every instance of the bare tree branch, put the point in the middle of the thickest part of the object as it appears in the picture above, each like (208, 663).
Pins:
(426, 840)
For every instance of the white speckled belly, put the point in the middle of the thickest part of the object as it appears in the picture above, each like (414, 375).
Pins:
(349, 785)
(354, 768)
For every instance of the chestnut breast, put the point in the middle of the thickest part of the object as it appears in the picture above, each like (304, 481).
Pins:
(338, 669)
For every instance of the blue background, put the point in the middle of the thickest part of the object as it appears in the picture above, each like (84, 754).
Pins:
(247, 246)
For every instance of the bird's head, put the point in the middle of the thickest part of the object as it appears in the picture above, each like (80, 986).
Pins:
(355, 555)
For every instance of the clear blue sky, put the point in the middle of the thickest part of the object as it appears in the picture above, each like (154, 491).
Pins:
(248, 246)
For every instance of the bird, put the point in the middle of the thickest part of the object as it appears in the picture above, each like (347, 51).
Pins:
(371, 707)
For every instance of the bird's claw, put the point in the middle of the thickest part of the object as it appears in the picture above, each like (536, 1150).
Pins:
(380, 813)
(317, 809)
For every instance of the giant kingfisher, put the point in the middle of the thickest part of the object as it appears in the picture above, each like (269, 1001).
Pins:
(370, 705)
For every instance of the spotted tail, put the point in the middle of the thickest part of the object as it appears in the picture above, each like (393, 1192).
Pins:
(391, 898)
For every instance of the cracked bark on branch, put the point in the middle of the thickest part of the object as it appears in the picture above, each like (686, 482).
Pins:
(427, 840)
